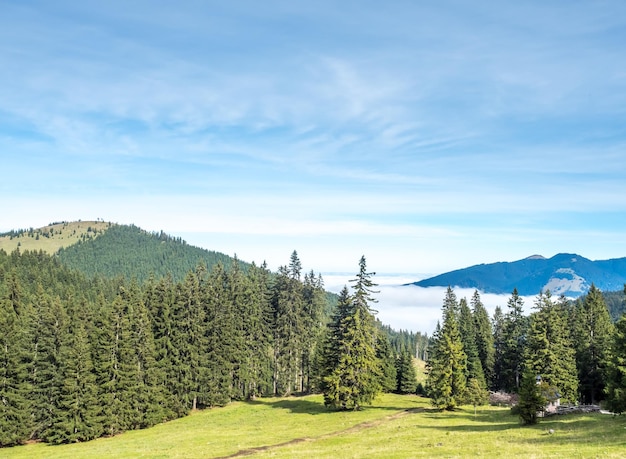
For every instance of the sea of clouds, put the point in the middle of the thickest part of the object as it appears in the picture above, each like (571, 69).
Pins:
(413, 308)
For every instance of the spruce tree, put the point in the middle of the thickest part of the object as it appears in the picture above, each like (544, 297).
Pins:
(50, 333)
(467, 332)
(353, 371)
(484, 338)
(77, 414)
(514, 333)
(475, 394)
(223, 340)
(616, 379)
(388, 364)
(447, 363)
(497, 326)
(258, 333)
(406, 375)
(531, 400)
(14, 386)
(593, 334)
(549, 349)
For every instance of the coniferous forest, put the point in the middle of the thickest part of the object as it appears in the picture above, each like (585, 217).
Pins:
(565, 349)
(83, 357)
(89, 353)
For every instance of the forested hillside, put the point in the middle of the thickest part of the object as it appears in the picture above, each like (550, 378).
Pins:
(129, 251)
(83, 356)
(572, 348)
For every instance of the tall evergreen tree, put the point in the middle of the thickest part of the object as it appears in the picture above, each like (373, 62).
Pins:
(514, 333)
(447, 363)
(467, 332)
(406, 375)
(549, 349)
(14, 387)
(289, 332)
(189, 363)
(257, 321)
(313, 301)
(224, 344)
(593, 334)
(353, 376)
(497, 326)
(50, 331)
(77, 414)
(616, 378)
(388, 364)
(484, 338)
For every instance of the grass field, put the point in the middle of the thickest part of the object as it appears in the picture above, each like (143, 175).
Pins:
(52, 237)
(394, 427)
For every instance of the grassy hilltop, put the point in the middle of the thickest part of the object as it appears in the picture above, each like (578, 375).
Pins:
(53, 237)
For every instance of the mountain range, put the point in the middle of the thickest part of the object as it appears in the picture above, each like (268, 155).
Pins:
(563, 274)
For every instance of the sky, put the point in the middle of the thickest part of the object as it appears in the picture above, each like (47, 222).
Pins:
(426, 136)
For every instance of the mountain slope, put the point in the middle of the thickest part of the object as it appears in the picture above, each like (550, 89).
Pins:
(567, 274)
(129, 251)
(108, 249)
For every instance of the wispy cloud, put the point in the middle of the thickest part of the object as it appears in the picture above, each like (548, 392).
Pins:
(428, 135)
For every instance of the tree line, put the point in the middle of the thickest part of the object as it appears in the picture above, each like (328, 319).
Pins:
(82, 357)
(572, 347)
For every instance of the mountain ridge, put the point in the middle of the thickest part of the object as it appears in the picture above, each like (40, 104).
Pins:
(566, 274)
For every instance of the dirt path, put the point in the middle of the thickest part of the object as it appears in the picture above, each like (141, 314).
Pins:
(355, 428)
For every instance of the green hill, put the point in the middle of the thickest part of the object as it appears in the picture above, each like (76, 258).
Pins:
(110, 250)
(129, 251)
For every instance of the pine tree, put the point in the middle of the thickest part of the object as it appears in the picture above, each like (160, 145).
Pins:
(447, 364)
(353, 371)
(593, 333)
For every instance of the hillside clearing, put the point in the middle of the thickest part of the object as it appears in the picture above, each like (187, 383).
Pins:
(394, 427)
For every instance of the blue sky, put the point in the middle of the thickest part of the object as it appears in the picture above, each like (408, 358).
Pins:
(427, 136)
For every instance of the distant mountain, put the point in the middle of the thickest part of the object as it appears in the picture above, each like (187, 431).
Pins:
(110, 250)
(563, 274)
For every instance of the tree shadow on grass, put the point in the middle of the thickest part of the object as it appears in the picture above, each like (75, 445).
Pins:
(585, 429)
(464, 421)
(302, 406)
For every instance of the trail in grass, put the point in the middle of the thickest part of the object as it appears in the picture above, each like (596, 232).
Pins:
(355, 428)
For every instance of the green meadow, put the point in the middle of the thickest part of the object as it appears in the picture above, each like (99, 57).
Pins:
(395, 426)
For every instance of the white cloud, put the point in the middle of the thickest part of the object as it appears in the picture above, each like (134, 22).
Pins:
(418, 309)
